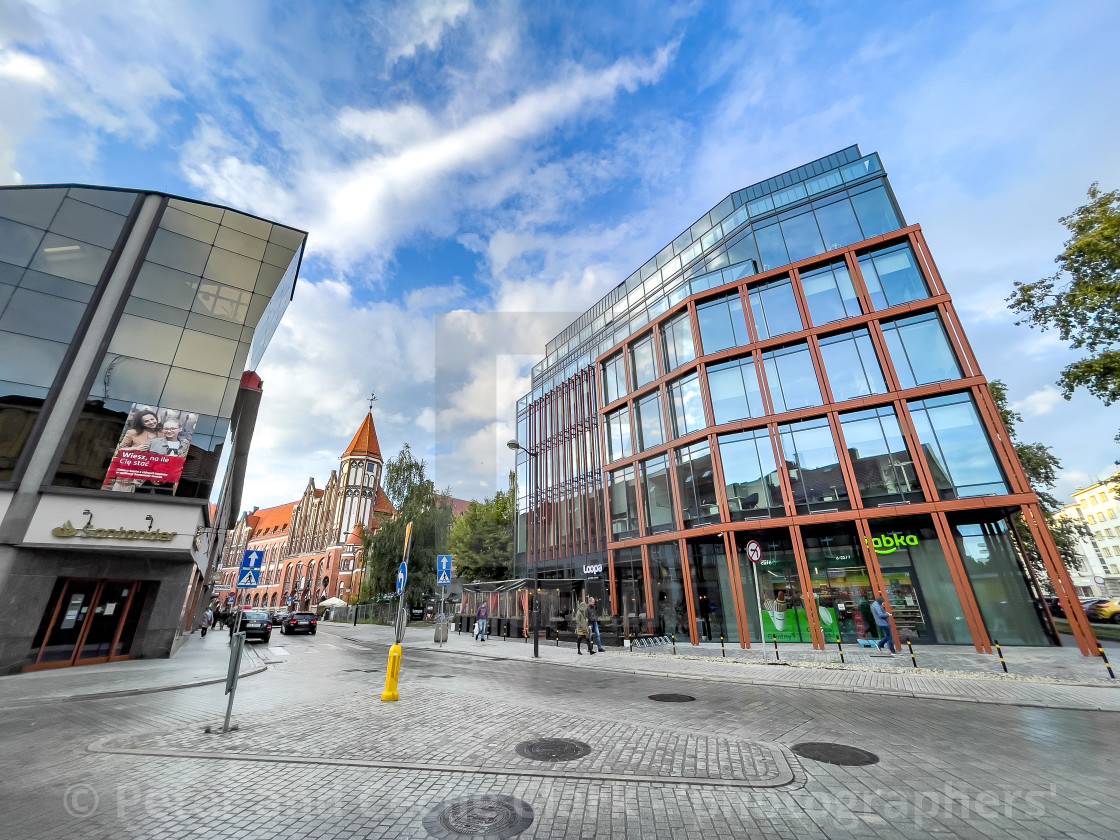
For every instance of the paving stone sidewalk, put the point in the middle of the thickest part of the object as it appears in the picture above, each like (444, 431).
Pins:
(200, 661)
(809, 669)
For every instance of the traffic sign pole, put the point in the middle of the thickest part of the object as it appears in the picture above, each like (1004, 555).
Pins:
(393, 672)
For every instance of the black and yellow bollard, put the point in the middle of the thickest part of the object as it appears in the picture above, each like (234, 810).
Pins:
(1104, 656)
(840, 647)
(673, 636)
(910, 645)
(392, 675)
(777, 656)
(722, 647)
(505, 635)
(1000, 652)
(632, 648)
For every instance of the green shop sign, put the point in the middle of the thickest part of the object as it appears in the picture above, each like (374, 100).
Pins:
(891, 543)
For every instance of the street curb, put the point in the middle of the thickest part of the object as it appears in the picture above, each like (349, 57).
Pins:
(879, 692)
(132, 692)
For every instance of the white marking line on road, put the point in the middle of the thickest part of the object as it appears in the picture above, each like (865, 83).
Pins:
(328, 644)
(278, 651)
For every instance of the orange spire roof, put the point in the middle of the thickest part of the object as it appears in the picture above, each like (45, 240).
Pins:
(364, 444)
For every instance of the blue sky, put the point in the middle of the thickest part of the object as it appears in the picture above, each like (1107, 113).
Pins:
(472, 175)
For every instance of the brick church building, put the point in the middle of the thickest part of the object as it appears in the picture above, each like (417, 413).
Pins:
(312, 546)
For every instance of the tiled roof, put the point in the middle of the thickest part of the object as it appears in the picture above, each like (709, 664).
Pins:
(355, 537)
(383, 504)
(277, 518)
(365, 441)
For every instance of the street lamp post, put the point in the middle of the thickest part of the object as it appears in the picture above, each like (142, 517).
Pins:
(513, 445)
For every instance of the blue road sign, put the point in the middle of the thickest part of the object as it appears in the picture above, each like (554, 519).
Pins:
(250, 574)
(402, 577)
(443, 569)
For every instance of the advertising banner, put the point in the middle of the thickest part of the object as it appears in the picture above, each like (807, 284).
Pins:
(152, 450)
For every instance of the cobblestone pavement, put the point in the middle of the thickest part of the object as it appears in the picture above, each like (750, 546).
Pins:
(314, 752)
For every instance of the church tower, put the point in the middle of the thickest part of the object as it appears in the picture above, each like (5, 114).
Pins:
(359, 481)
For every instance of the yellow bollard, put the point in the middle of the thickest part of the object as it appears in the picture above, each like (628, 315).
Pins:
(392, 675)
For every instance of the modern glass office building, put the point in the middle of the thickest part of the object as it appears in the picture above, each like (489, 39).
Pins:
(130, 324)
(773, 421)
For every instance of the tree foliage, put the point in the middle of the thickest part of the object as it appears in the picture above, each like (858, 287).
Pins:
(1082, 300)
(482, 539)
(412, 492)
(1041, 468)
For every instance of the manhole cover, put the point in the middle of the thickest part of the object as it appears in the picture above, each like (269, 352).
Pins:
(672, 698)
(835, 754)
(488, 816)
(553, 749)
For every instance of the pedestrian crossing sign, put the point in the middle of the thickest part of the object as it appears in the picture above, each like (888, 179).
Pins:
(444, 579)
(248, 579)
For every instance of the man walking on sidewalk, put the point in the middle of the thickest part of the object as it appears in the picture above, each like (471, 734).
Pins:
(481, 617)
(593, 621)
(883, 621)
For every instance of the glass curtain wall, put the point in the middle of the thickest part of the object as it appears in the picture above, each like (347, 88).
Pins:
(54, 247)
(830, 293)
(711, 590)
(619, 443)
(774, 308)
(624, 504)
(791, 378)
(676, 339)
(643, 361)
(956, 446)
(733, 386)
(995, 570)
(813, 466)
(892, 277)
(851, 364)
(686, 406)
(650, 422)
(696, 480)
(657, 495)
(920, 350)
(920, 589)
(614, 379)
(754, 490)
(883, 466)
(670, 611)
(722, 324)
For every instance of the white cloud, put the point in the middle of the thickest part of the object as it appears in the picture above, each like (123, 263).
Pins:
(1042, 401)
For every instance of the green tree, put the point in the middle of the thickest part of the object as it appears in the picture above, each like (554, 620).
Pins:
(1082, 300)
(482, 539)
(413, 494)
(1041, 468)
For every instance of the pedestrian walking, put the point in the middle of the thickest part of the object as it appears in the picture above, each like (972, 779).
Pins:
(481, 617)
(593, 622)
(582, 629)
(207, 621)
(883, 622)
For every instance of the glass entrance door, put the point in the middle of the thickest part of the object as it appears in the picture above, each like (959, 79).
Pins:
(87, 621)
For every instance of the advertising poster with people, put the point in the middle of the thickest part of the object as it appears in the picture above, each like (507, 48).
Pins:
(151, 451)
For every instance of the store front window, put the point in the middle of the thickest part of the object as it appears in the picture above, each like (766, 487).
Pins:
(841, 583)
(88, 622)
(998, 579)
(920, 588)
(667, 577)
(630, 590)
(778, 600)
(711, 590)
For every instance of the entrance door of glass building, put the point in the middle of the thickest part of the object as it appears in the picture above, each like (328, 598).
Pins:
(841, 585)
(87, 622)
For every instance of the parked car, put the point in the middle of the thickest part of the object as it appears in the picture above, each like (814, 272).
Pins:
(300, 622)
(1106, 611)
(1088, 603)
(278, 617)
(1054, 605)
(255, 624)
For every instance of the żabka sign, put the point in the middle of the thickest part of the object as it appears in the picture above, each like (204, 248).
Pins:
(889, 544)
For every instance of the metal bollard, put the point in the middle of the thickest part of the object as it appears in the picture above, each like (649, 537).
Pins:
(1104, 656)
(724, 649)
(910, 645)
(777, 656)
(1000, 652)
(505, 637)
(674, 639)
(631, 641)
(840, 648)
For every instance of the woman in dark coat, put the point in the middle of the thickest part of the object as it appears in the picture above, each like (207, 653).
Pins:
(582, 627)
